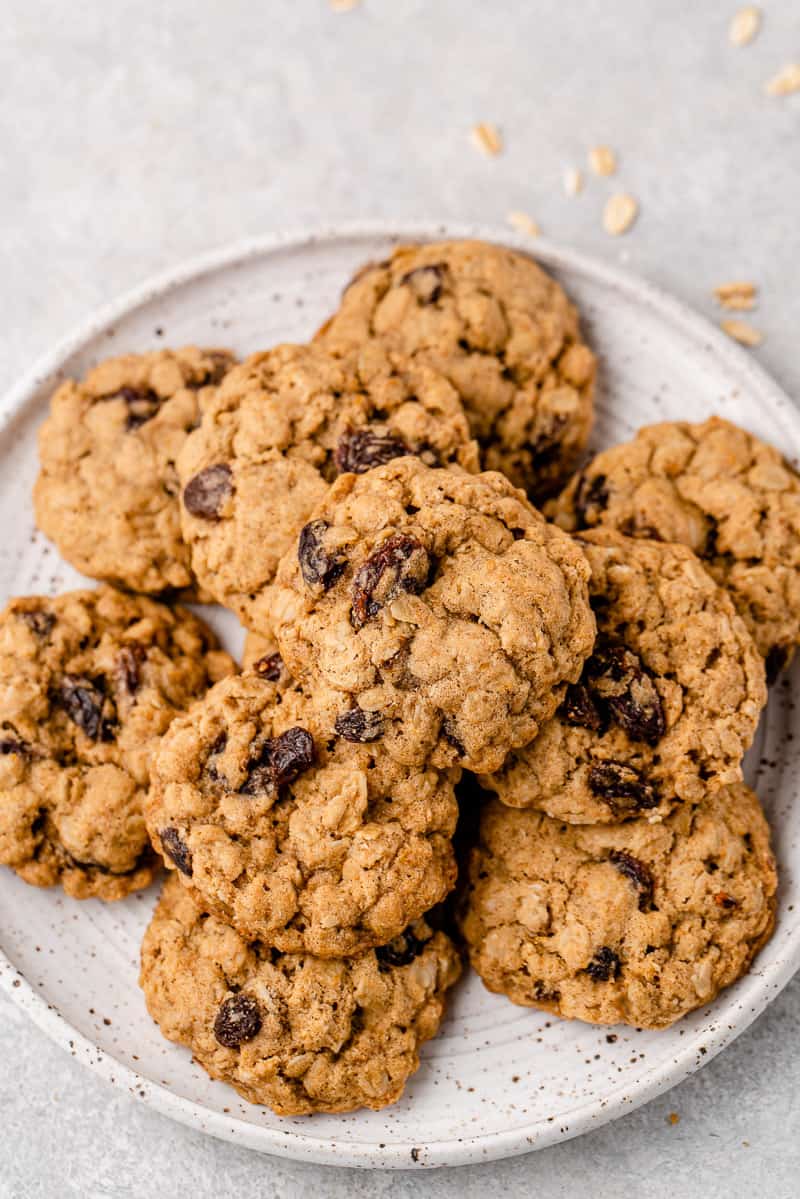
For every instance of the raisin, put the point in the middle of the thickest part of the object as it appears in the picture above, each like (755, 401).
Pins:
(709, 550)
(547, 446)
(399, 952)
(776, 660)
(85, 702)
(604, 965)
(725, 901)
(39, 623)
(279, 760)
(130, 661)
(318, 567)
(622, 787)
(359, 450)
(542, 994)
(425, 282)
(579, 708)
(13, 745)
(142, 402)
(618, 680)
(205, 494)
(636, 872)
(358, 725)
(238, 1020)
(176, 849)
(591, 493)
(269, 667)
(400, 564)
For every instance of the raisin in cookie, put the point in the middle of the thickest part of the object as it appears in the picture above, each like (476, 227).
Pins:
(107, 493)
(638, 922)
(504, 334)
(298, 1033)
(723, 492)
(285, 423)
(261, 655)
(88, 682)
(440, 606)
(667, 704)
(300, 832)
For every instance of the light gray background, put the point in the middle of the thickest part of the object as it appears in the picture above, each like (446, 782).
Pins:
(135, 134)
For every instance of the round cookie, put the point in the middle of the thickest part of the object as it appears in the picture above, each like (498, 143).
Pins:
(107, 492)
(88, 682)
(297, 828)
(637, 923)
(440, 606)
(720, 490)
(298, 1033)
(501, 330)
(284, 424)
(666, 705)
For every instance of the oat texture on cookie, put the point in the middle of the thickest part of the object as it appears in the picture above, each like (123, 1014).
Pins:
(107, 492)
(502, 331)
(284, 425)
(88, 683)
(441, 608)
(301, 1034)
(294, 825)
(666, 705)
(637, 923)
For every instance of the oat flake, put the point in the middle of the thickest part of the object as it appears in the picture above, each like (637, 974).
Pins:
(738, 295)
(524, 223)
(745, 26)
(785, 82)
(742, 332)
(573, 181)
(486, 137)
(619, 213)
(344, 5)
(603, 160)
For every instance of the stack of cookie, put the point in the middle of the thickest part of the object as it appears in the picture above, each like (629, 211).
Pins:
(421, 638)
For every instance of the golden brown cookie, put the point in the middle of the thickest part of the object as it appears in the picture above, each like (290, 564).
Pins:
(88, 683)
(440, 606)
(501, 330)
(107, 492)
(718, 489)
(636, 923)
(666, 705)
(302, 833)
(298, 1033)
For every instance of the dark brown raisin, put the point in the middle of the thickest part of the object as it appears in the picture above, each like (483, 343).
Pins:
(400, 564)
(548, 445)
(604, 965)
(14, 745)
(40, 623)
(318, 567)
(176, 849)
(85, 702)
(426, 282)
(279, 760)
(591, 498)
(542, 994)
(636, 872)
(709, 550)
(359, 450)
(776, 660)
(619, 681)
(130, 660)
(725, 901)
(579, 708)
(206, 493)
(238, 1020)
(142, 402)
(269, 667)
(622, 787)
(358, 725)
(399, 952)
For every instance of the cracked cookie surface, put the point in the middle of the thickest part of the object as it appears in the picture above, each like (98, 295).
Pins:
(107, 491)
(723, 492)
(295, 825)
(442, 605)
(284, 425)
(298, 1033)
(636, 923)
(501, 330)
(666, 705)
(88, 681)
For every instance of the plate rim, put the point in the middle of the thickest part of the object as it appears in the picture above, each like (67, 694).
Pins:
(754, 992)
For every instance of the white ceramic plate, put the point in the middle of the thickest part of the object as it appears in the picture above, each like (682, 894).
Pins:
(499, 1080)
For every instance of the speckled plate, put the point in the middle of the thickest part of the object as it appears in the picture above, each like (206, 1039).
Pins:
(499, 1080)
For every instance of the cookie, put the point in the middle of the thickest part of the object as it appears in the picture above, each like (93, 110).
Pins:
(299, 831)
(285, 423)
(720, 490)
(298, 1033)
(88, 682)
(440, 606)
(501, 330)
(636, 923)
(666, 705)
(107, 491)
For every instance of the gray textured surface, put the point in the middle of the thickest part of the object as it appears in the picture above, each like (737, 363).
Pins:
(134, 135)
